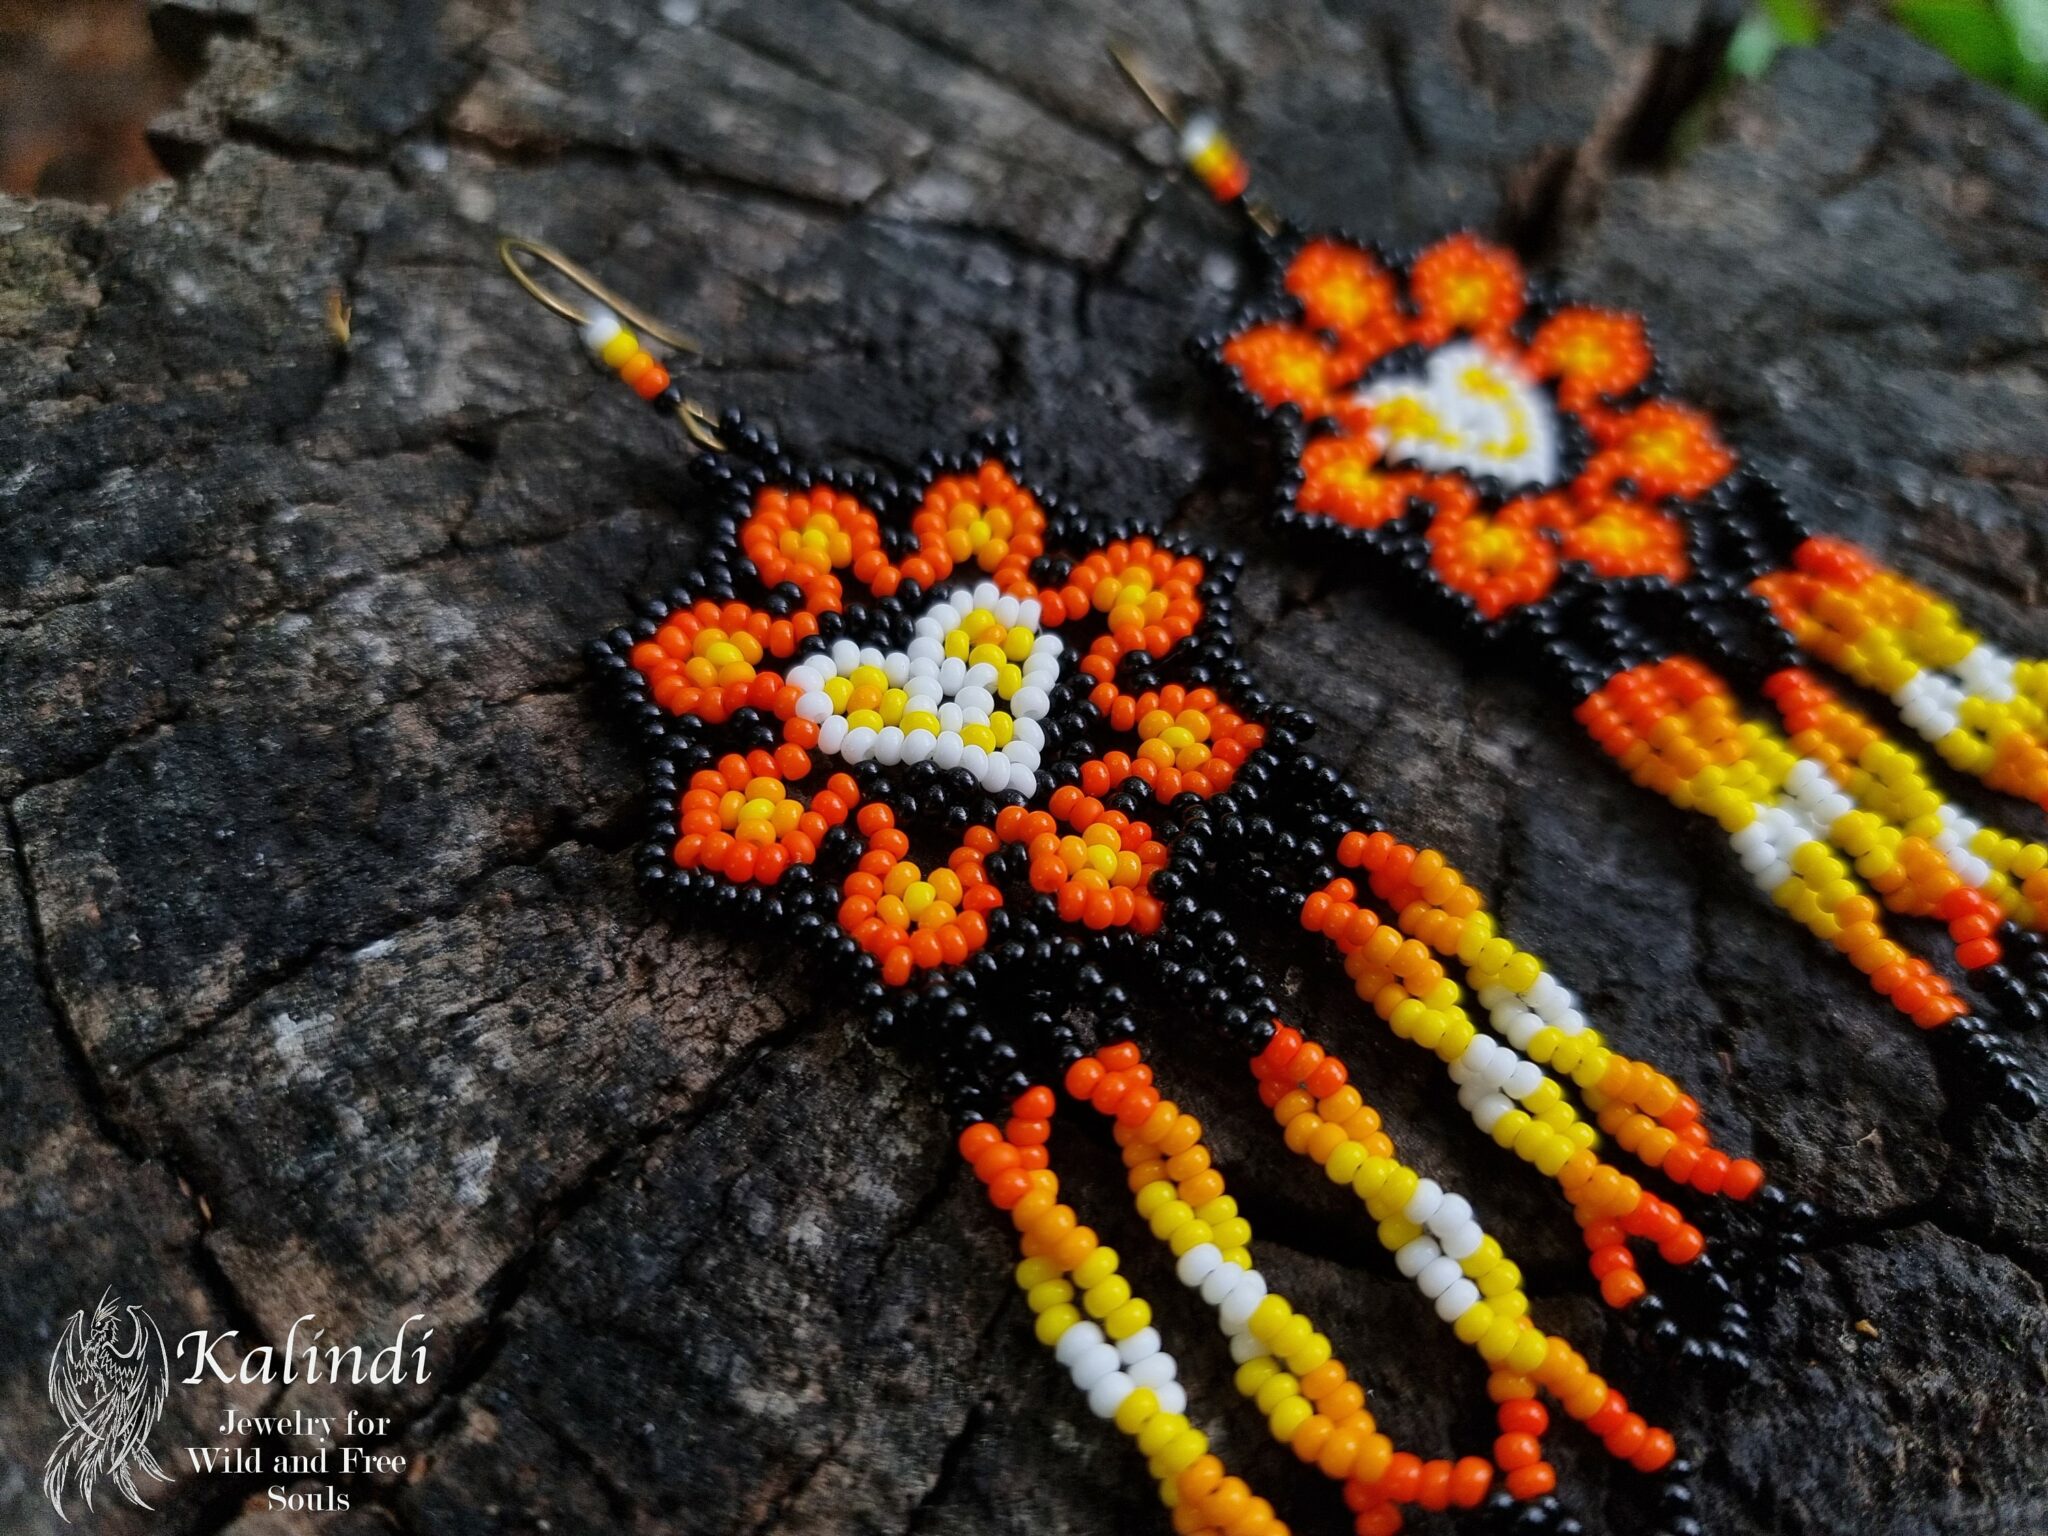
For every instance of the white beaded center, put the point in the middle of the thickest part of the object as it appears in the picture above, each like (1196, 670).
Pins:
(1471, 410)
(968, 692)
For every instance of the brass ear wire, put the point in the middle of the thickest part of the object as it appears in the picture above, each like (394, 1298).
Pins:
(1203, 148)
(694, 418)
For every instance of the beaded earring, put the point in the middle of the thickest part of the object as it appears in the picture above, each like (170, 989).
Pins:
(1517, 464)
(1001, 769)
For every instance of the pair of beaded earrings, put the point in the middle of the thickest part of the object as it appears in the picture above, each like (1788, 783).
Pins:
(1004, 764)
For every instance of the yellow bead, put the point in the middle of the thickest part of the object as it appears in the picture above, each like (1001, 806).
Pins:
(1036, 1272)
(1268, 1315)
(1135, 1409)
(1312, 1353)
(1503, 1277)
(1096, 1268)
(1234, 1233)
(1277, 1389)
(1291, 1335)
(1159, 1432)
(1290, 1416)
(1128, 1319)
(1473, 1323)
(1498, 1342)
(1191, 1234)
(1105, 1296)
(1049, 1293)
(1397, 1232)
(1345, 1162)
(619, 349)
(1254, 1374)
(1529, 1351)
(1170, 1217)
(1182, 1452)
(1053, 1323)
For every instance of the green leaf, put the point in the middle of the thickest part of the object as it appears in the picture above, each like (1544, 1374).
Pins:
(1977, 37)
(1799, 22)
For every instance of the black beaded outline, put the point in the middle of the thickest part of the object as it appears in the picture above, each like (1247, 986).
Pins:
(1037, 955)
(1588, 628)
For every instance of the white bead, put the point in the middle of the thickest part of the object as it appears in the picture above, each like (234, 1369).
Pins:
(1005, 610)
(1031, 703)
(1154, 1370)
(1173, 1397)
(987, 594)
(1093, 1366)
(918, 744)
(974, 760)
(945, 751)
(1023, 781)
(995, 773)
(1236, 1309)
(951, 718)
(600, 328)
(889, 746)
(859, 742)
(1456, 1300)
(1478, 1053)
(1416, 1255)
(982, 675)
(1030, 732)
(1138, 1346)
(1198, 1263)
(832, 733)
(1451, 1215)
(1245, 1346)
(814, 707)
(1462, 1242)
(952, 673)
(1021, 754)
(1524, 1080)
(845, 656)
(1423, 1203)
(1108, 1394)
(1076, 1342)
(1222, 1280)
(1433, 1280)
(1487, 1115)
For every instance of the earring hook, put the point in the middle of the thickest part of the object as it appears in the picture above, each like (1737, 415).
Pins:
(695, 420)
(512, 247)
(1203, 147)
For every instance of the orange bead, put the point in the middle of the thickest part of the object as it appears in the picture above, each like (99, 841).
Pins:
(1532, 1482)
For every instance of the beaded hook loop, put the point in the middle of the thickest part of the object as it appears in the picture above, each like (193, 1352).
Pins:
(695, 420)
(1203, 146)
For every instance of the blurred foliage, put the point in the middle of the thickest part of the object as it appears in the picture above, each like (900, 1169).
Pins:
(2002, 41)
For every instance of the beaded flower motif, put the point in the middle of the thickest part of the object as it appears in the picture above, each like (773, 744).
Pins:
(951, 660)
(1524, 432)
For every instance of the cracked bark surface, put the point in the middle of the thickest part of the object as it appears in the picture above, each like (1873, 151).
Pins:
(323, 983)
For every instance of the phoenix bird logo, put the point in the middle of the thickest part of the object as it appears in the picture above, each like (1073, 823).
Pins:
(110, 1394)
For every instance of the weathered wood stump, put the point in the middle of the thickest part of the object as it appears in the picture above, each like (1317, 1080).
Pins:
(324, 986)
